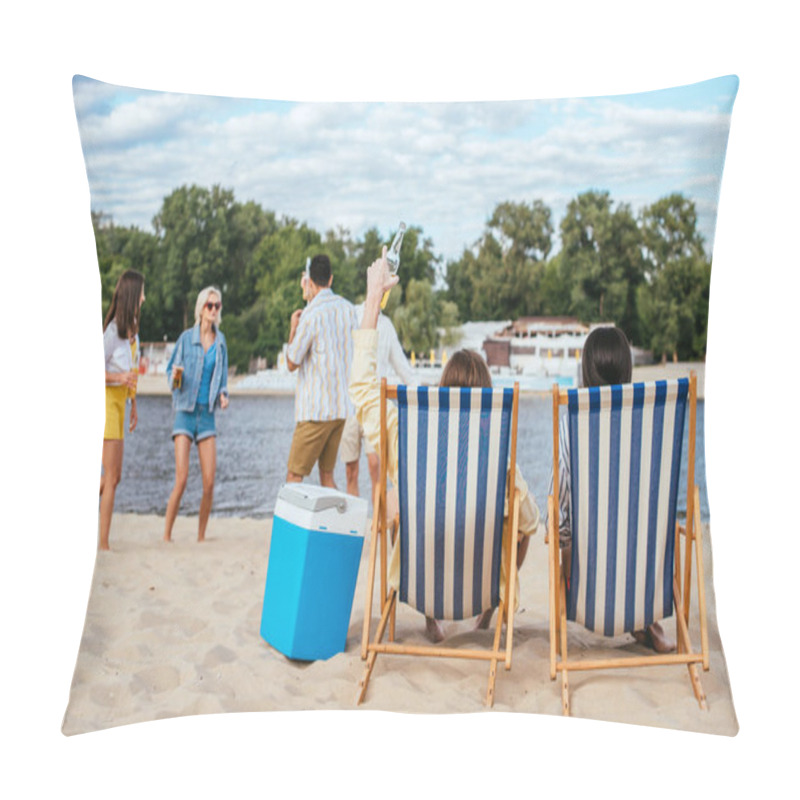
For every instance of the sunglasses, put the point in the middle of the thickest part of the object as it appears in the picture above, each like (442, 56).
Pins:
(211, 306)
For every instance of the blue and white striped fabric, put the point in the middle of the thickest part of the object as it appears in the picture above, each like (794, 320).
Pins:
(453, 460)
(625, 454)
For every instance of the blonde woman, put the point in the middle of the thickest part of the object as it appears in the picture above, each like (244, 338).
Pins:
(198, 376)
(121, 348)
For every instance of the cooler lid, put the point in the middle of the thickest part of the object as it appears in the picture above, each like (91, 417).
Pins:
(313, 498)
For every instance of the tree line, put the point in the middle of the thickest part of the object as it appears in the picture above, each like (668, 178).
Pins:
(648, 273)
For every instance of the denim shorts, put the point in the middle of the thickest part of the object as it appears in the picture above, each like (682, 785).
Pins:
(197, 424)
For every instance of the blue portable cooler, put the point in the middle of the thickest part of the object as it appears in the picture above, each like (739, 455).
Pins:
(314, 555)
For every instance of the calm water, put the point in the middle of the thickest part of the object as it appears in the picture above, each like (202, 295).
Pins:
(254, 436)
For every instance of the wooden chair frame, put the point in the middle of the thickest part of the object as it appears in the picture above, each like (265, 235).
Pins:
(690, 533)
(381, 527)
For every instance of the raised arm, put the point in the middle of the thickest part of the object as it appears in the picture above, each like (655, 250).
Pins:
(365, 389)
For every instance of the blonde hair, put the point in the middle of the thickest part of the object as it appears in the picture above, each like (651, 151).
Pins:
(202, 299)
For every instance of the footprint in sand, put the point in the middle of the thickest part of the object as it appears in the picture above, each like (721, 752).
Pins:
(155, 680)
(218, 655)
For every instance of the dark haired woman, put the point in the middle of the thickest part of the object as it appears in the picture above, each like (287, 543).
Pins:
(606, 361)
(464, 368)
(121, 347)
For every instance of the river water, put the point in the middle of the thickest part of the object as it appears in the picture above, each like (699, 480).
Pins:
(254, 436)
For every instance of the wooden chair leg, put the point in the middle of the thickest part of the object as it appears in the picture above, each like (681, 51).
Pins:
(492, 679)
(373, 655)
(563, 639)
(501, 614)
(364, 682)
(697, 687)
(394, 529)
(679, 532)
(701, 588)
(511, 584)
(552, 571)
(683, 639)
(373, 549)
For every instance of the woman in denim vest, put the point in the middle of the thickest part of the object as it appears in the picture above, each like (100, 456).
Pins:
(198, 376)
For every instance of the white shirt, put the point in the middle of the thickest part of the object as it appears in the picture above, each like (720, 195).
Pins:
(392, 362)
(118, 351)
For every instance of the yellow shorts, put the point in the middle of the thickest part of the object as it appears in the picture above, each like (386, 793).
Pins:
(115, 412)
(313, 442)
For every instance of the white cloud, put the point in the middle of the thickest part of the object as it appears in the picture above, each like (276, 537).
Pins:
(443, 166)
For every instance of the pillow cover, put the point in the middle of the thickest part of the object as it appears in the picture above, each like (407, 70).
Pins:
(528, 222)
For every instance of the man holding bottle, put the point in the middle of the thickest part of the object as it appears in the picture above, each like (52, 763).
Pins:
(321, 348)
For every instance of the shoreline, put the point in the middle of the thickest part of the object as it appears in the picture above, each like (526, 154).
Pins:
(156, 385)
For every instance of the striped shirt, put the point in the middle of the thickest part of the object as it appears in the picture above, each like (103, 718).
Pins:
(323, 349)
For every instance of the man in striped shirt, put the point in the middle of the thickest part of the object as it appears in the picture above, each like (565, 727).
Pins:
(321, 348)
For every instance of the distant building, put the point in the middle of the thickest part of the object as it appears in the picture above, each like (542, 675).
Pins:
(544, 346)
(538, 345)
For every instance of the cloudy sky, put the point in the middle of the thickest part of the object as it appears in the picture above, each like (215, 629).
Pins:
(440, 166)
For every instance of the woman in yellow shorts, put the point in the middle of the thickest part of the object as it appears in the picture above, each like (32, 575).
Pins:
(121, 346)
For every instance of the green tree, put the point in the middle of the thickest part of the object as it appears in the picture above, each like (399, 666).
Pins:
(448, 320)
(553, 291)
(602, 260)
(194, 228)
(674, 301)
(499, 277)
(525, 231)
(249, 225)
(119, 249)
(415, 321)
(669, 232)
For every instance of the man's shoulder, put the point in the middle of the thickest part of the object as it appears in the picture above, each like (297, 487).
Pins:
(337, 298)
(335, 303)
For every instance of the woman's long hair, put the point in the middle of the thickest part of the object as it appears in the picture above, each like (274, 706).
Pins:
(606, 359)
(466, 368)
(125, 302)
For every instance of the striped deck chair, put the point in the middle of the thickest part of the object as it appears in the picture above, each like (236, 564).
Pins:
(625, 447)
(456, 458)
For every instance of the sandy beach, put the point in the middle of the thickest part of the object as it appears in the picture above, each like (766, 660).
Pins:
(173, 630)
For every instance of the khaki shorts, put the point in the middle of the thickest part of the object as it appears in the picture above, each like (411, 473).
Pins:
(350, 447)
(315, 442)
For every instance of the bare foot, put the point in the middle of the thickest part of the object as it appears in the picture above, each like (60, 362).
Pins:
(168, 537)
(103, 547)
(654, 638)
(201, 537)
(483, 620)
(659, 640)
(433, 629)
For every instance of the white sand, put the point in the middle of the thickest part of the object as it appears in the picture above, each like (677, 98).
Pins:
(173, 629)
